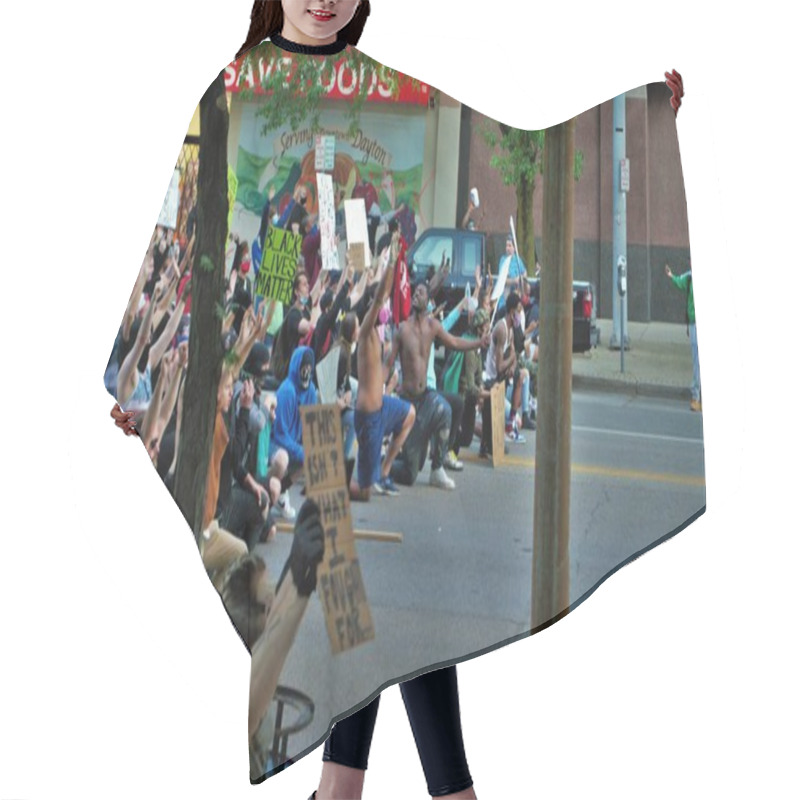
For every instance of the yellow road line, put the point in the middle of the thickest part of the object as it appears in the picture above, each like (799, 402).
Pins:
(607, 472)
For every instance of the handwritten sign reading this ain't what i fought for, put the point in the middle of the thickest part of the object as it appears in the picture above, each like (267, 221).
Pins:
(339, 583)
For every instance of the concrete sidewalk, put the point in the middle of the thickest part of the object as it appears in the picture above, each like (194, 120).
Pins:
(658, 364)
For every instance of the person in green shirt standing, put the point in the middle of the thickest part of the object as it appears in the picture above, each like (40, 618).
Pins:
(684, 283)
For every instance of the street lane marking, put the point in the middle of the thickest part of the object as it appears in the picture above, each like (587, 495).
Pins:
(635, 434)
(607, 472)
(374, 536)
(641, 475)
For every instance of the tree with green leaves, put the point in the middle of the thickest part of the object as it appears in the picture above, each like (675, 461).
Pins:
(518, 158)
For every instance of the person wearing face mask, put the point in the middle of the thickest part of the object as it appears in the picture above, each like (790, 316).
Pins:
(296, 390)
(295, 209)
(296, 325)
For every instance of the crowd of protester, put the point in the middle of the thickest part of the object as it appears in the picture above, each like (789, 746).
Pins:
(399, 407)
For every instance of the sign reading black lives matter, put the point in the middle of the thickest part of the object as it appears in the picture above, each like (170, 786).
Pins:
(339, 584)
(279, 265)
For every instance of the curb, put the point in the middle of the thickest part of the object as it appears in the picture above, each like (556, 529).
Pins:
(641, 388)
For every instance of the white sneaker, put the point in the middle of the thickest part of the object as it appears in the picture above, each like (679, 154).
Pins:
(441, 480)
(451, 462)
(284, 506)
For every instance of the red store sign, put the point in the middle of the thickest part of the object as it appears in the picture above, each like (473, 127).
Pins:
(341, 84)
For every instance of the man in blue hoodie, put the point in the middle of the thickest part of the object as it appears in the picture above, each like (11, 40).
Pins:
(296, 390)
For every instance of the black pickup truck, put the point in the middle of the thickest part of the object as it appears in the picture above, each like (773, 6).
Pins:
(465, 249)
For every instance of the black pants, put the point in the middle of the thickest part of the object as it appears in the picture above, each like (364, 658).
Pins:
(456, 403)
(242, 517)
(467, 431)
(432, 424)
(432, 706)
(486, 427)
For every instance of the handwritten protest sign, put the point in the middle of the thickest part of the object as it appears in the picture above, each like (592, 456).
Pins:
(498, 405)
(278, 264)
(169, 211)
(327, 221)
(339, 585)
(355, 220)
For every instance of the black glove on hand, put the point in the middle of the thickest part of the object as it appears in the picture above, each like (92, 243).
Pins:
(307, 551)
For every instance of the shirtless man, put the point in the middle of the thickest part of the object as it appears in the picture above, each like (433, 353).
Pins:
(413, 342)
(376, 414)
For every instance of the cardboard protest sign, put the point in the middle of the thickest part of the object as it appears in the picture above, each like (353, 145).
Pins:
(169, 211)
(355, 255)
(339, 585)
(327, 222)
(498, 406)
(355, 220)
(278, 264)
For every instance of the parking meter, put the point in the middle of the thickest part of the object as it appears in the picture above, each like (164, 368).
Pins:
(622, 286)
(622, 275)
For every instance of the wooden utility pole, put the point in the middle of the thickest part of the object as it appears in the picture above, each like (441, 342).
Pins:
(208, 288)
(550, 596)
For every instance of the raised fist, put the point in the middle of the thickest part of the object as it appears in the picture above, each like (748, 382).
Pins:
(308, 549)
(675, 83)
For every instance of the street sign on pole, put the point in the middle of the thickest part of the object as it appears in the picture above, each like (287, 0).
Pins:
(625, 175)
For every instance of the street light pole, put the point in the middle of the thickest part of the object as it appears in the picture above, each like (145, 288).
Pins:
(550, 594)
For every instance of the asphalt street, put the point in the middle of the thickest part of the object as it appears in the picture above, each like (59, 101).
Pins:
(461, 577)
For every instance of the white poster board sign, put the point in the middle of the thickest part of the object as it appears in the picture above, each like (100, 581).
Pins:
(355, 220)
(168, 217)
(327, 222)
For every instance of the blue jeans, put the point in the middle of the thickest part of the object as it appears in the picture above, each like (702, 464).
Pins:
(526, 393)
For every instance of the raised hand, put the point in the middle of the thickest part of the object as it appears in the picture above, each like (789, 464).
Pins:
(248, 323)
(394, 247)
(308, 548)
(247, 394)
(124, 420)
(675, 83)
